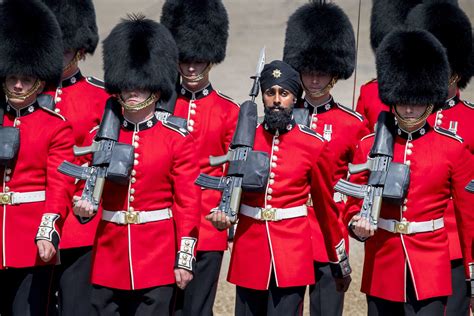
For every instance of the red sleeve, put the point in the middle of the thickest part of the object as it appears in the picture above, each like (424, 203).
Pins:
(462, 174)
(325, 208)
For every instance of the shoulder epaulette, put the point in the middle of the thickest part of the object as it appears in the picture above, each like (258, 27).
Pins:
(178, 121)
(94, 129)
(468, 104)
(448, 133)
(309, 131)
(367, 136)
(175, 127)
(53, 113)
(227, 98)
(351, 112)
(96, 82)
(371, 80)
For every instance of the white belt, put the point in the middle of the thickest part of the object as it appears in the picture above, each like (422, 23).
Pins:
(124, 217)
(19, 198)
(273, 214)
(405, 227)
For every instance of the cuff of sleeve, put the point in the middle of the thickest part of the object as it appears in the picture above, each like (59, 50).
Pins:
(342, 268)
(47, 229)
(185, 258)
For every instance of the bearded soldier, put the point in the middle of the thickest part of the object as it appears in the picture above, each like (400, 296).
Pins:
(81, 100)
(200, 29)
(272, 260)
(451, 26)
(320, 45)
(35, 197)
(147, 235)
(406, 264)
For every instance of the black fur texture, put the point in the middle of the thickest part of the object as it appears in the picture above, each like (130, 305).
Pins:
(319, 37)
(140, 54)
(199, 27)
(386, 16)
(412, 69)
(451, 26)
(78, 23)
(30, 41)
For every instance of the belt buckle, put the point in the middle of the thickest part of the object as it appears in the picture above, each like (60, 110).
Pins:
(6, 198)
(131, 217)
(402, 227)
(268, 214)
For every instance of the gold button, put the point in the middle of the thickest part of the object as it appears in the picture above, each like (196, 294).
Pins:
(405, 201)
(17, 123)
(315, 119)
(440, 115)
(275, 148)
(274, 164)
(409, 152)
(410, 145)
(7, 189)
(313, 126)
(134, 172)
(135, 144)
(271, 181)
(131, 209)
(132, 191)
(439, 122)
(191, 122)
(8, 171)
(57, 110)
(132, 198)
(268, 206)
(276, 142)
(274, 158)
(59, 91)
(193, 105)
(272, 175)
(58, 99)
(192, 112)
(135, 162)
(133, 180)
(408, 162)
(7, 178)
(136, 137)
(136, 155)
(190, 128)
(404, 209)
(270, 190)
(269, 197)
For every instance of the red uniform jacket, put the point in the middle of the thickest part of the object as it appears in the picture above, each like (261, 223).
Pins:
(342, 128)
(45, 142)
(369, 103)
(138, 256)
(459, 114)
(81, 101)
(212, 118)
(301, 164)
(440, 167)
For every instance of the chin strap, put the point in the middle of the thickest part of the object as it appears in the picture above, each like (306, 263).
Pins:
(137, 107)
(24, 96)
(79, 56)
(410, 124)
(321, 92)
(199, 77)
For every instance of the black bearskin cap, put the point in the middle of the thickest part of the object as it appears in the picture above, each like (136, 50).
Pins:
(386, 16)
(78, 23)
(140, 54)
(30, 41)
(319, 37)
(412, 68)
(199, 27)
(451, 26)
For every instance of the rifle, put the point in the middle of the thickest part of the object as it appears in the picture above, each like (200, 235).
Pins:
(470, 186)
(111, 160)
(248, 169)
(388, 181)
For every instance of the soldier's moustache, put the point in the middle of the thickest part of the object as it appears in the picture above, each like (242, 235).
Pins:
(278, 120)
(22, 96)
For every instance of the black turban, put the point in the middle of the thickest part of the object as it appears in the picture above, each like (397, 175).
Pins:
(280, 73)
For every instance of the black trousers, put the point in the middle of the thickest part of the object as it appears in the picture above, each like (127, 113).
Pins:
(113, 302)
(275, 301)
(72, 284)
(324, 298)
(25, 291)
(458, 303)
(198, 297)
(430, 307)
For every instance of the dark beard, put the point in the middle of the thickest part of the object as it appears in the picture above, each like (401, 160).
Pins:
(278, 120)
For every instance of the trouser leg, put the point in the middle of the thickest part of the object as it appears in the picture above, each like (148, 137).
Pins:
(285, 300)
(324, 298)
(249, 302)
(379, 307)
(430, 307)
(458, 303)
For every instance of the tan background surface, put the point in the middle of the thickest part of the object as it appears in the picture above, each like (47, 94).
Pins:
(254, 24)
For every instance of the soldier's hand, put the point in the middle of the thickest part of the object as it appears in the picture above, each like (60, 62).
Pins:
(342, 284)
(46, 250)
(361, 227)
(219, 220)
(82, 208)
(183, 277)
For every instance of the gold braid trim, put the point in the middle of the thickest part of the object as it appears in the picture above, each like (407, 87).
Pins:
(79, 56)
(321, 92)
(410, 124)
(137, 107)
(199, 77)
(26, 95)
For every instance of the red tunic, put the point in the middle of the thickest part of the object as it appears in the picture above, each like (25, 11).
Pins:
(342, 128)
(212, 118)
(138, 256)
(45, 142)
(369, 103)
(440, 167)
(462, 113)
(301, 164)
(81, 101)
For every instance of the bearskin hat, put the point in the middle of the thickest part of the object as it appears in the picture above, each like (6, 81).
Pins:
(319, 37)
(386, 16)
(140, 54)
(451, 26)
(78, 23)
(199, 27)
(30, 41)
(412, 68)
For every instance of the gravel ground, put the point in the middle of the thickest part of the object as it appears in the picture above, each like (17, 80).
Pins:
(254, 24)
